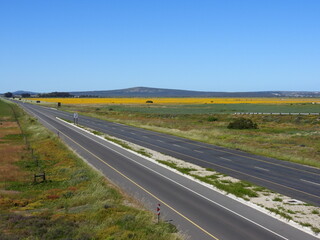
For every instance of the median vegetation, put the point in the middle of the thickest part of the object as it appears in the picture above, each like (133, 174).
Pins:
(74, 202)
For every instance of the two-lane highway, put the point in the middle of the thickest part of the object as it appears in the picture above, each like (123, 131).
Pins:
(291, 179)
(195, 209)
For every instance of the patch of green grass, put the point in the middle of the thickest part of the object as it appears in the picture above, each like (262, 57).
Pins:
(277, 199)
(13, 137)
(315, 211)
(144, 153)
(97, 133)
(238, 189)
(6, 110)
(305, 224)
(282, 214)
(119, 142)
(315, 230)
(173, 165)
(290, 211)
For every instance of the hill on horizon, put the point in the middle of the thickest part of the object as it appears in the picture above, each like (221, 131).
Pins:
(162, 92)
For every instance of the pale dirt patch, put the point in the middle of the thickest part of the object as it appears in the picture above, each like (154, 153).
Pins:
(8, 128)
(8, 192)
(302, 213)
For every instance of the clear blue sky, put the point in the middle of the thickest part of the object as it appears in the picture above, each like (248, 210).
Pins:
(211, 45)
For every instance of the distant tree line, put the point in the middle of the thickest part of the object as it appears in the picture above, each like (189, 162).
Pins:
(25, 95)
(88, 96)
(8, 95)
(55, 94)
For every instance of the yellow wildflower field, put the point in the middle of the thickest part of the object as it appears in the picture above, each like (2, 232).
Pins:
(177, 100)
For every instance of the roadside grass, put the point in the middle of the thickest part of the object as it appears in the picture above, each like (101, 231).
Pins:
(75, 202)
(290, 138)
(280, 213)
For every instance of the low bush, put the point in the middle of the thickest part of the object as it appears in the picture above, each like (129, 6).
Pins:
(242, 123)
(212, 119)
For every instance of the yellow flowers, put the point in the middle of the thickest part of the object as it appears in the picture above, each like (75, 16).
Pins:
(176, 100)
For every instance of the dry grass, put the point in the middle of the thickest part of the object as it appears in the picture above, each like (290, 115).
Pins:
(11, 150)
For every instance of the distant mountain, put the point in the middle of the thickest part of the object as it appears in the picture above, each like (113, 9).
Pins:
(23, 92)
(160, 92)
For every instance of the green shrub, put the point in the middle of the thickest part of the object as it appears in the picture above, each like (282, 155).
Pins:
(242, 123)
(212, 119)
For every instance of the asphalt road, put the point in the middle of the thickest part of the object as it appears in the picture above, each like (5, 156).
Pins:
(294, 180)
(196, 210)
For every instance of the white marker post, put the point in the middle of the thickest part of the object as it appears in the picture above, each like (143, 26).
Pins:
(75, 118)
(158, 212)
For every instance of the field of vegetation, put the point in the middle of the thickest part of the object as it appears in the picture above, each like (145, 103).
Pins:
(177, 100)
(293, 138)
(75, 202)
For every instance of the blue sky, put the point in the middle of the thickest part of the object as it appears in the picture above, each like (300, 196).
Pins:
(71, 45)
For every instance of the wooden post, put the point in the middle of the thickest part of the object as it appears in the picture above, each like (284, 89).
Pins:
(40, 175)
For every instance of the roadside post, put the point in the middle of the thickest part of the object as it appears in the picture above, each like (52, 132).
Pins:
(158, 212)
(75, 118)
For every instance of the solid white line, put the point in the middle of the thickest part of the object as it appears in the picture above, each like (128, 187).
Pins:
(179, 184)
(226, 159)
(263, 169)
(310, 182)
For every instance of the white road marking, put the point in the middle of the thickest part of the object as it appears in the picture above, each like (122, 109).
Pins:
(227, 159)
(263, 169)
(160, 140)
(177, 145)
(133, 133)
(145, 136)
(310, 182)
(198, 151)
